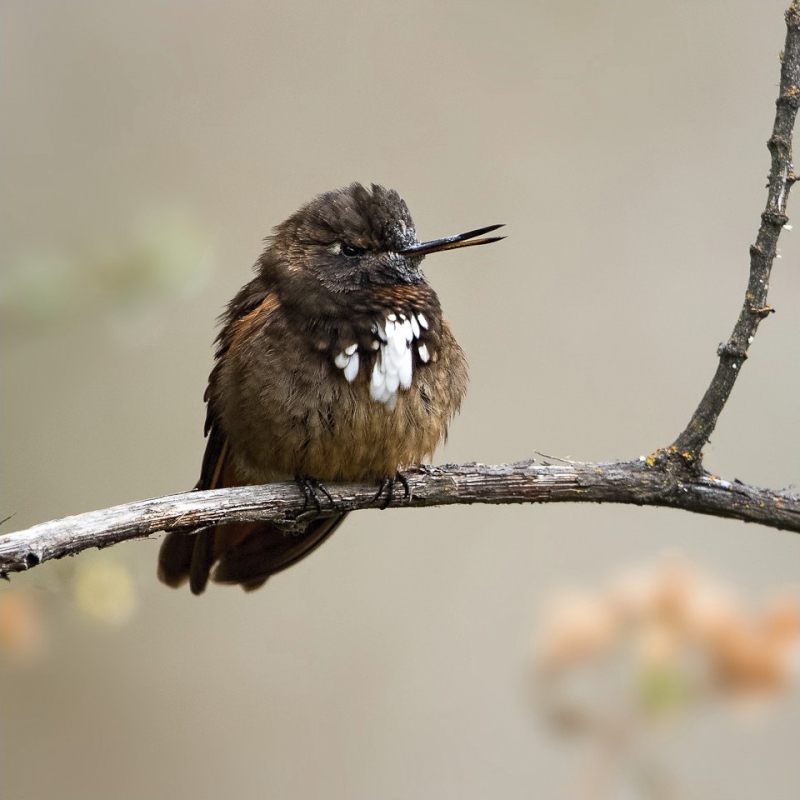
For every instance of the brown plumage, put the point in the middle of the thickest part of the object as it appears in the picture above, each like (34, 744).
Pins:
(333, 364)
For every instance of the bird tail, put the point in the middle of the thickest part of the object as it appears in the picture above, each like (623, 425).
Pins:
(246, 553)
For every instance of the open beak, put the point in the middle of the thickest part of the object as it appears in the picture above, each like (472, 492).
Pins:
(452, 242)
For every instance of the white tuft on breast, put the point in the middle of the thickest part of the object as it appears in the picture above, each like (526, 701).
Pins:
(394, 365)
(394, 360)
(351, 370)
(348, 361)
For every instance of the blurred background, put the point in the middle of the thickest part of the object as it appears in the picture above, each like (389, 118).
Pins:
(553, 651)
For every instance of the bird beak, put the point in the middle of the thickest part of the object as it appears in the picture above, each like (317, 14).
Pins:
(452, 242)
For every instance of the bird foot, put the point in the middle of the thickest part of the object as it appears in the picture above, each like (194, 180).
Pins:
(387, 485)
(312, 490)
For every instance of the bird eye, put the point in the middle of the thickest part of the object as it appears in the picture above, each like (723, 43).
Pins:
(351, 251)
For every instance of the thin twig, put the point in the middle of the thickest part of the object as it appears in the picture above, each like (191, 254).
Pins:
(733, 353)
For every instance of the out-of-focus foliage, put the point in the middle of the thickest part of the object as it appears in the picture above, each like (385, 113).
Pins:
(131, 279)
(104, 589)
(681, 621)
(22, 625)
(101, 587)
(650, 647)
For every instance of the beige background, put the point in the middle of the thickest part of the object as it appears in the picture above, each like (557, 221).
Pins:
(623, 144)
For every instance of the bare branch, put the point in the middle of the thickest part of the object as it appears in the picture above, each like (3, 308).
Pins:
(631, 482)
(733, 353)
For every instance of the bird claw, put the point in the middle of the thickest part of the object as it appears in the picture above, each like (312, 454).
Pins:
(311, 489)
(387, 485)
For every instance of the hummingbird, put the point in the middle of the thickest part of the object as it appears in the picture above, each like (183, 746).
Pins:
(334, 363)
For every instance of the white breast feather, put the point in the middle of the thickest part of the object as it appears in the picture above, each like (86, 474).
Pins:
(394, 363)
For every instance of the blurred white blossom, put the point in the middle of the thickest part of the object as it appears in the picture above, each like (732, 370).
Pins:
(104, 589)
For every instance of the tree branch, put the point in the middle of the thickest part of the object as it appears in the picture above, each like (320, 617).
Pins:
(631, 482)
(671, 477)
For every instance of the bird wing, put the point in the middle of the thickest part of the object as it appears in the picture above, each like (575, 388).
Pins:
(245, 553)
